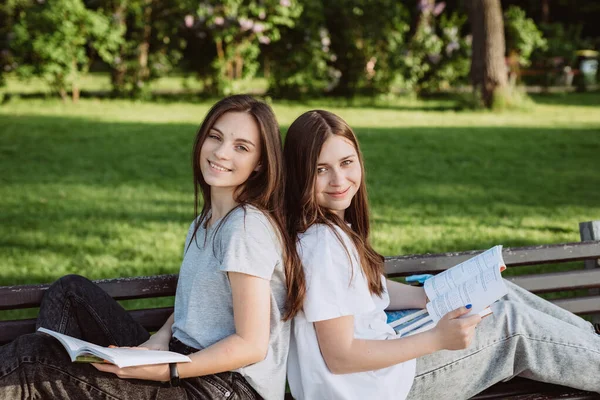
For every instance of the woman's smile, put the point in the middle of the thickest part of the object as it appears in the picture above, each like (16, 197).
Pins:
(339, 194)
(217, 167)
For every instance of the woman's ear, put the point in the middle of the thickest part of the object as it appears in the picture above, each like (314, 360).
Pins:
(258, 167)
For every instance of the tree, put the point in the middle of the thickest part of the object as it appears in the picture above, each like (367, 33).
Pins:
(235, 30)
(488, 69)
(367, 38)
(152, 41)
(51, 41)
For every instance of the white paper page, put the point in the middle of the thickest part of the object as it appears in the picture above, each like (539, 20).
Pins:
(480, 291)
(128, 357)
(71, 344)
(122, 357)
(459, 274)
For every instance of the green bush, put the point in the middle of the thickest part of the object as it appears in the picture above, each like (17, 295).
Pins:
(522, 35)
(51, 41)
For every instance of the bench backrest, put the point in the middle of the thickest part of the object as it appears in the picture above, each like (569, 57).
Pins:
(27, 296)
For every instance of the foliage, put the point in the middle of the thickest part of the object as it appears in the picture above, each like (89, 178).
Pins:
(522, 35)
(438, 53)
(368, 55)
(51, 42)
(238, 28)
(562, 42)
(152, 42)
(301, 62)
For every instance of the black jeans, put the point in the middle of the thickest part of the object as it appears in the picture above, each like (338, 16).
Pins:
(36, 366)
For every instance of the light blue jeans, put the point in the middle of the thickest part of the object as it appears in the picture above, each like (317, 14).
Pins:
(526, 336)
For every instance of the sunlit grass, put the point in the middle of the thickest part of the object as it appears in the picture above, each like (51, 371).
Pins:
(103, 188)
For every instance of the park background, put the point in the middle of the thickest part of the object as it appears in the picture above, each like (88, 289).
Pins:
(479, 120)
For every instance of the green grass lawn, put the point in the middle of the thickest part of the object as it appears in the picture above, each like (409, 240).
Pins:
(103, 188)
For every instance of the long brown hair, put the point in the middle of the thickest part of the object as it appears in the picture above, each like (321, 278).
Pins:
(303, 144)
(263, 189)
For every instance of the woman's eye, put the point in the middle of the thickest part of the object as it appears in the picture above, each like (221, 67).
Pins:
(241, 148)
(346, 162)
(321, 170)
(213, 136)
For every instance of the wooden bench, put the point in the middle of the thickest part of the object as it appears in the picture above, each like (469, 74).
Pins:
(587, 303)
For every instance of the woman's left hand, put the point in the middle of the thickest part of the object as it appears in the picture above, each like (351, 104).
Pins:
(157, 372)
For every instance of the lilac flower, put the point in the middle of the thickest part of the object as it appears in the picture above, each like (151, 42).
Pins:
(439, 7)
(219, 21)
(262, 15)
(370, 67)
(258, 28)
(451, 32)
(450, 47)
(434, 58)
(325, 41)
(285, 3)
(424, 5)
(264, 40)
(246, 24)
(189, 21)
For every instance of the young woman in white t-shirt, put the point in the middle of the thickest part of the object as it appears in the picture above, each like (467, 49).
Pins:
(342, 347)
(231, 292)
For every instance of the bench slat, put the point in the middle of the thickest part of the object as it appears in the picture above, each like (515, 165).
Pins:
(151, 319)
(557, 281)
(547, 254)
(26, 296)
(580, 305)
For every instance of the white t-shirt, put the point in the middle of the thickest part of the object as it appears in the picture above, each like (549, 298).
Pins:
(336, 288)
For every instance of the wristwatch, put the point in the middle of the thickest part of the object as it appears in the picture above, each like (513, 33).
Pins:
(174, 374)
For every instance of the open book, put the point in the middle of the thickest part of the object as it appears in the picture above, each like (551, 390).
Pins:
(476, 281)
(82, 351)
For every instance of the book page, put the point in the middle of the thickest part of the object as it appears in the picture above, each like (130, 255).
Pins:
(122, 357)
(480, 291)
(71, 344)
(453, 277)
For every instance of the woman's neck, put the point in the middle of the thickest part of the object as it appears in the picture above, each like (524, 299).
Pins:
(221, 202)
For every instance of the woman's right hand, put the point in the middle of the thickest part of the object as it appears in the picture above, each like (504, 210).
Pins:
(158, 341)
(455, 333)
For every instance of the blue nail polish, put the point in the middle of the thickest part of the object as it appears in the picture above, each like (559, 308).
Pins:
(468, 306)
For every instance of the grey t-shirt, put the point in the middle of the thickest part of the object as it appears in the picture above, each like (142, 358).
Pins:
(245, 242)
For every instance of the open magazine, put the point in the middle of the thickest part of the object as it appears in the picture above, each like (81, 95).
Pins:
(82, 351)
(477, 281)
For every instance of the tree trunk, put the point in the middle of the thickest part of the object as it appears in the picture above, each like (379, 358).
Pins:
(545, 11)
(75, 82)
(118, 70)
(144, 46)
(488, 68)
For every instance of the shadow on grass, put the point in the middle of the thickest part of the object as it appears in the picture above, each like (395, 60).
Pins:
(588, 99)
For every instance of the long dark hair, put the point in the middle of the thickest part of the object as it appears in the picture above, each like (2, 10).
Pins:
(303, 144)
(263, 189)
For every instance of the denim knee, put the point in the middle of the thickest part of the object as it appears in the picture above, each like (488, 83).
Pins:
(68, 284)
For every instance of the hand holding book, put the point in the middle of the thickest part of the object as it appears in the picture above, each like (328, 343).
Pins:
(476, 281)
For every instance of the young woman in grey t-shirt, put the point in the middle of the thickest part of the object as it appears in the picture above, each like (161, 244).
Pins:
(230, 305)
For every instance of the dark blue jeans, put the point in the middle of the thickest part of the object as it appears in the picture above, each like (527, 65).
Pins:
(37, 366)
